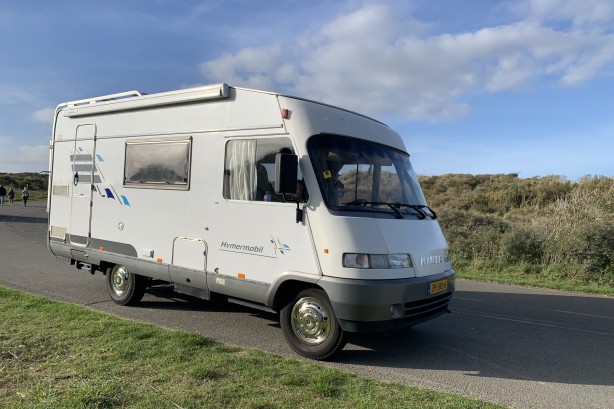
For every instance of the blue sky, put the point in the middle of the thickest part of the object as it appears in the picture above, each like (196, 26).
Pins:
(474, 86)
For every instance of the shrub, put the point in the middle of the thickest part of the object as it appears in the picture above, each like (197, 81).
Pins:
(548, 225)
(520, 246)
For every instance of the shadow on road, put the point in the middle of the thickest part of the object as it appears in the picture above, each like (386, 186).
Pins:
(22, 219)
(543, 338)
(560, 345)
(165, 298)
(18, 213)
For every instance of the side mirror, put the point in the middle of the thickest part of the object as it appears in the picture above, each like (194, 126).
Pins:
(286, 170)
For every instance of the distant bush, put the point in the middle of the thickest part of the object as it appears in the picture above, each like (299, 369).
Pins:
(545, 225)
(36, 183)
(521, 246)
(472, 235)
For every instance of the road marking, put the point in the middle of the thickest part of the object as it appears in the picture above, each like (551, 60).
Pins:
(586, 315)
(539, 324)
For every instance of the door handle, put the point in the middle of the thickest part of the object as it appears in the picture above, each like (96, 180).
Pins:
(76, 179)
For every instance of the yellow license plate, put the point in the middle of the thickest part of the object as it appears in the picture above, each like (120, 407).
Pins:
(438, 286)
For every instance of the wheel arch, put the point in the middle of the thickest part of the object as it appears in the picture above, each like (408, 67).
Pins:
(288, 286)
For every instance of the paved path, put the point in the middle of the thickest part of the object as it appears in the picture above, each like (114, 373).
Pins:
(519, 347)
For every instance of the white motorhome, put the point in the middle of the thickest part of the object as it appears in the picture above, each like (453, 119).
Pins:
(273, 202)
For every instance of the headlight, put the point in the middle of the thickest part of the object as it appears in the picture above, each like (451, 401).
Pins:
(356, 260)
(399, 261)
(379, 261)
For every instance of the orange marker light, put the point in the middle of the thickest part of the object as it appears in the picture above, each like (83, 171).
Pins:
(102, 249)
(325, 251)
(158, 260)
(241, 275)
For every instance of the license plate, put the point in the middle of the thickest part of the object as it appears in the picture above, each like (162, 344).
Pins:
(438, 286)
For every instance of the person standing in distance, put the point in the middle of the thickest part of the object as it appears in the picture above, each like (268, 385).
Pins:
(25, 193)
(2, 194)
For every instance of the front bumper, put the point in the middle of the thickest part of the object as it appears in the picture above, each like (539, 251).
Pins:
(365, 305)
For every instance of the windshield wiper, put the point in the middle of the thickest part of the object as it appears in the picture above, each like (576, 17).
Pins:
(363, 202)
(419, 209)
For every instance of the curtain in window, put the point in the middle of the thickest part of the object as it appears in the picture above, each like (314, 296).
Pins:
(242, 166)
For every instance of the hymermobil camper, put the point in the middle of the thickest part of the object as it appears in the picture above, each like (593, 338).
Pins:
(274, 202)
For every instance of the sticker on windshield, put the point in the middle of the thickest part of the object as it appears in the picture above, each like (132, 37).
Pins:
(327, 174)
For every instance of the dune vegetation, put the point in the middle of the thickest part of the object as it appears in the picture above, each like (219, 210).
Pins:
(542, 229)
(36, 183)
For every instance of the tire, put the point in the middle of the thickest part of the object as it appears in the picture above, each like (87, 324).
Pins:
(125, 288)
(310, 326)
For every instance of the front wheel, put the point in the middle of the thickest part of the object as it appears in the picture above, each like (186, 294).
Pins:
(310, 326)
(125, 288)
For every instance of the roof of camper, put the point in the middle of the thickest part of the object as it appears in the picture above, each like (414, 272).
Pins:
(128, 100)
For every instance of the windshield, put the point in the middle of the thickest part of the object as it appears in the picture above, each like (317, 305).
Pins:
(357, 175)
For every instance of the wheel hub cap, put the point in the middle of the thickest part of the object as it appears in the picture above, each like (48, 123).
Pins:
(119, 278)
(310, 321)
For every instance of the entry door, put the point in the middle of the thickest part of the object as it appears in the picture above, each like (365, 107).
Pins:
(82, 162)
(189, 263)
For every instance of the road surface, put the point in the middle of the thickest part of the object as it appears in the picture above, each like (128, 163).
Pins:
(516, 346)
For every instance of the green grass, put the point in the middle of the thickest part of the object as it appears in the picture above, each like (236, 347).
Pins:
(56, 355)
(521, 277)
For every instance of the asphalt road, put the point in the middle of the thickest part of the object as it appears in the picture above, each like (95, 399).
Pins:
(516, 346)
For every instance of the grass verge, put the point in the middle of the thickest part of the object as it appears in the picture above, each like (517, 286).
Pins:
(536, 280)
(56, 355)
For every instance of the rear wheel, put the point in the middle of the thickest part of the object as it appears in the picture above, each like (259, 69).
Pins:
(125, 288)
(310, 326)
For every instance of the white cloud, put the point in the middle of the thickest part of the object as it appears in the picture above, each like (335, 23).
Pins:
(578, 12)
(249, 67)
(11, 95)
(378, 61)
(22, 158)
(44, 115)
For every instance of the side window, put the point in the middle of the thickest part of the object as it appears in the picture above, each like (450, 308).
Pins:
(249, 171)
(158, 164)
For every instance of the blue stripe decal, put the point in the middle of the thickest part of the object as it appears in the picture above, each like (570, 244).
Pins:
(109, 193)
(125, 199)
(99, 157)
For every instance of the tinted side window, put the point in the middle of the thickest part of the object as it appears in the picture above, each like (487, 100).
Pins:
(161, 164)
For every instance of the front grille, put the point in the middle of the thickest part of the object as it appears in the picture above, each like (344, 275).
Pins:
(423, 309)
